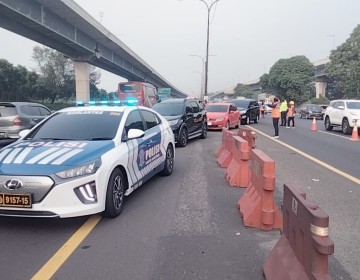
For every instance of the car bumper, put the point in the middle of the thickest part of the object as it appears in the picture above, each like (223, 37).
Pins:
(216, 125)
(62, 202)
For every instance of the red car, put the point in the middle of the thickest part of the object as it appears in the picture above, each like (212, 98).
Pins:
(222, 115)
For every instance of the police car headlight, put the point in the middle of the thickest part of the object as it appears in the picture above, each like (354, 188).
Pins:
(85, 169)
(243, 112)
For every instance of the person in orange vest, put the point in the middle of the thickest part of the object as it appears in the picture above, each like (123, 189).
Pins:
(275, 114)
(291, 114)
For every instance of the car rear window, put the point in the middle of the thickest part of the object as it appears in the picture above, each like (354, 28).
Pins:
(169, 109)
(30, 110)
(217, 108)
(7, 111)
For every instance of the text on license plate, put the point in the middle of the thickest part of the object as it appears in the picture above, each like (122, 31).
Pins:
(15, 200)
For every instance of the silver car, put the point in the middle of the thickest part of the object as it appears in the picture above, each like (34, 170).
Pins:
(17, 116)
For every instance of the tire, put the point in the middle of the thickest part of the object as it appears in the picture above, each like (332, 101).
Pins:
(169, 161)
(183, 138)
(247, 120)
(203, 131)
(328, 125)
(257, 119)
(345, 127)
(115, 194)
(300, 116)
(239, 124)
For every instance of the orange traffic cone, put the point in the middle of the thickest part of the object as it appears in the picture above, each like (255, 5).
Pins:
(355, 134)
(313, 125)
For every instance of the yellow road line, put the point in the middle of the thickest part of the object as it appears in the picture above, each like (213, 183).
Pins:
(53, 264)
(324, 164)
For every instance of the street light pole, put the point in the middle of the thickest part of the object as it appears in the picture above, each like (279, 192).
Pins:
(207, 47)
(202, 75)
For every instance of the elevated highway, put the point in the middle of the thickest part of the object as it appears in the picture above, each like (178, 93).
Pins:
(64, 26)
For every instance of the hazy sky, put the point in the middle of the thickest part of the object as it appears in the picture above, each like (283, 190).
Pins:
(246, 36)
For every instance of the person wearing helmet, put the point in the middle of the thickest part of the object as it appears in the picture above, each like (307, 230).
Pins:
(291, 114)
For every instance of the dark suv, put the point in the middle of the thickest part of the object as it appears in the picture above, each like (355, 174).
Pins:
(186, 117)
(249, 110)
(17, 116)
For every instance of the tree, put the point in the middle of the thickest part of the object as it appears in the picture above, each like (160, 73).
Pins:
(344, 69)
(57, 74)
(243, 90)
(291, 78)
(12, 82)
(55, 69)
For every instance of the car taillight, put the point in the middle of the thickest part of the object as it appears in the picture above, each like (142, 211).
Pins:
(17, 121)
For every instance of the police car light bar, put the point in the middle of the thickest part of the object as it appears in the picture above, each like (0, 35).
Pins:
(99, 103)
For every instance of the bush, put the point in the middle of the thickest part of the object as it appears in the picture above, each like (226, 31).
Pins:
(320, 100)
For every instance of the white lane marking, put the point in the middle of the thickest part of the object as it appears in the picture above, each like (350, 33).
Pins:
(328, 166)
(332, 134)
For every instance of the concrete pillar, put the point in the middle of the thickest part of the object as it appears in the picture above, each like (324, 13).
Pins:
(82, 71)
(320, 86)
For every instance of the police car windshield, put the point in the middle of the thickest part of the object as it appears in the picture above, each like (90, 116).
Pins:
(169, 109)
(79, 125)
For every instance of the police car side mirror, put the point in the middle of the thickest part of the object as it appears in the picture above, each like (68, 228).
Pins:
(135, 133)
(24, 132)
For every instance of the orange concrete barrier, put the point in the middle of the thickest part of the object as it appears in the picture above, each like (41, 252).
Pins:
(257, 206)
(303, 249)
(225, 156)
(249, 135)
(238, 173)
(222, 145)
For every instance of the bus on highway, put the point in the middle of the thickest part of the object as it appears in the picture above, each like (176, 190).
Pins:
(137, 94)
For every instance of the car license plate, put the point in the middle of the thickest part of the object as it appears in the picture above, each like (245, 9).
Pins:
(15, 200)
(209, 123)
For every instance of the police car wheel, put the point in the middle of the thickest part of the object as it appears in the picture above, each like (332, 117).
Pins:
(169, 161)
(114, 194)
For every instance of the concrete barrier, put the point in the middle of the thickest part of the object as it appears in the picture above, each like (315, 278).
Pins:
(238, 173)
(225, 156)
(303, 249)
(257, 206)
(249, 135)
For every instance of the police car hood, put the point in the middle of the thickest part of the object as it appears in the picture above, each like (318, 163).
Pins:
(48, 157)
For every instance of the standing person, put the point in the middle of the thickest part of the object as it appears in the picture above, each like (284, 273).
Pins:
(291, 114)
(275, 114)
(262, 109)
(283, 111)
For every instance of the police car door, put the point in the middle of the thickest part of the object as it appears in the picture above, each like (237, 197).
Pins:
(134, 120)
(152, 152)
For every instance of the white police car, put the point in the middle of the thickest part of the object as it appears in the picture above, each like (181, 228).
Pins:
(83, 160)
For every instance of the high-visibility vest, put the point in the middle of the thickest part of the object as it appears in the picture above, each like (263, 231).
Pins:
(291, 112)
(275, 113)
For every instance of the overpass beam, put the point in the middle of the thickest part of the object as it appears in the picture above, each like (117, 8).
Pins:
(82, 81)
